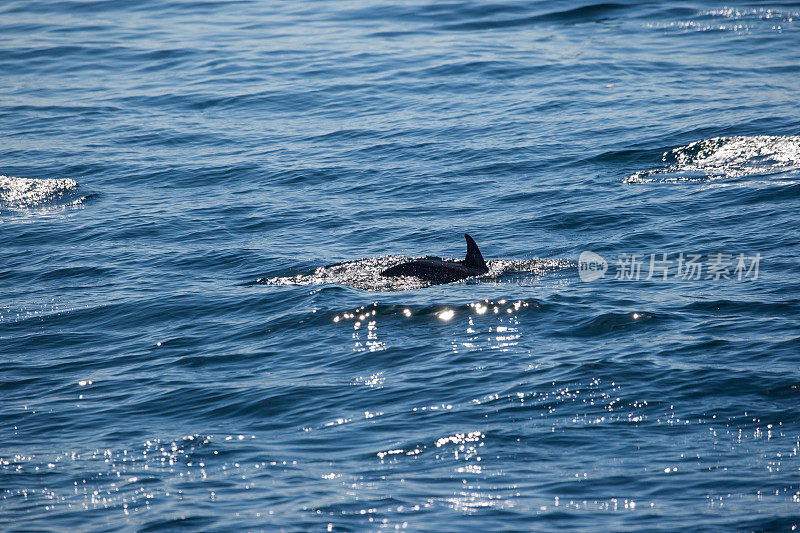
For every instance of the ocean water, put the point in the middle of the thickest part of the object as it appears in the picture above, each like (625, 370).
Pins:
(197, 197)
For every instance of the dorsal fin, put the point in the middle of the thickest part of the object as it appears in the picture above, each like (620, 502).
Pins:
(474, 258)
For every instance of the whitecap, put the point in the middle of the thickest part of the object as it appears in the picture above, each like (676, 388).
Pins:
(725, 157)
(23, 193)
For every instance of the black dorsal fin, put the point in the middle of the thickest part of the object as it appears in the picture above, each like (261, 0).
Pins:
(474, 258)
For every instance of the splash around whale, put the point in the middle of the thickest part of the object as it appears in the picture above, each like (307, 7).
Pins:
(441, 271)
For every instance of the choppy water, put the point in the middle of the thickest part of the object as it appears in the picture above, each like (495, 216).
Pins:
(197, 196)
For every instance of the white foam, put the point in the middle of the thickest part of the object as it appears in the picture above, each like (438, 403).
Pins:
(736, 20)
(365, 273)
(725, 157)
(32, 192)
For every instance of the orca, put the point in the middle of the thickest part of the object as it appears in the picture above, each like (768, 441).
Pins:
(440, 271)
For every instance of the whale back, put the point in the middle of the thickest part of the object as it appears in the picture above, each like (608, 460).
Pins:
(474, 258)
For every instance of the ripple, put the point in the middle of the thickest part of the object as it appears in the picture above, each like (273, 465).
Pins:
(610, 322)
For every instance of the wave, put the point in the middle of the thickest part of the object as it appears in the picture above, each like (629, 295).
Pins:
(22, 193)
(607, 323)
(582, 14)
(732, 19)
(725, 157)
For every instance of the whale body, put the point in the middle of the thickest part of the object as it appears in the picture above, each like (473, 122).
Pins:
(441, 271)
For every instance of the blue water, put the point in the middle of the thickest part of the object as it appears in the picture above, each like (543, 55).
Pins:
(197, 198)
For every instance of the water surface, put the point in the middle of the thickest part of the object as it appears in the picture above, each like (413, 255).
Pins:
(197, 196)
